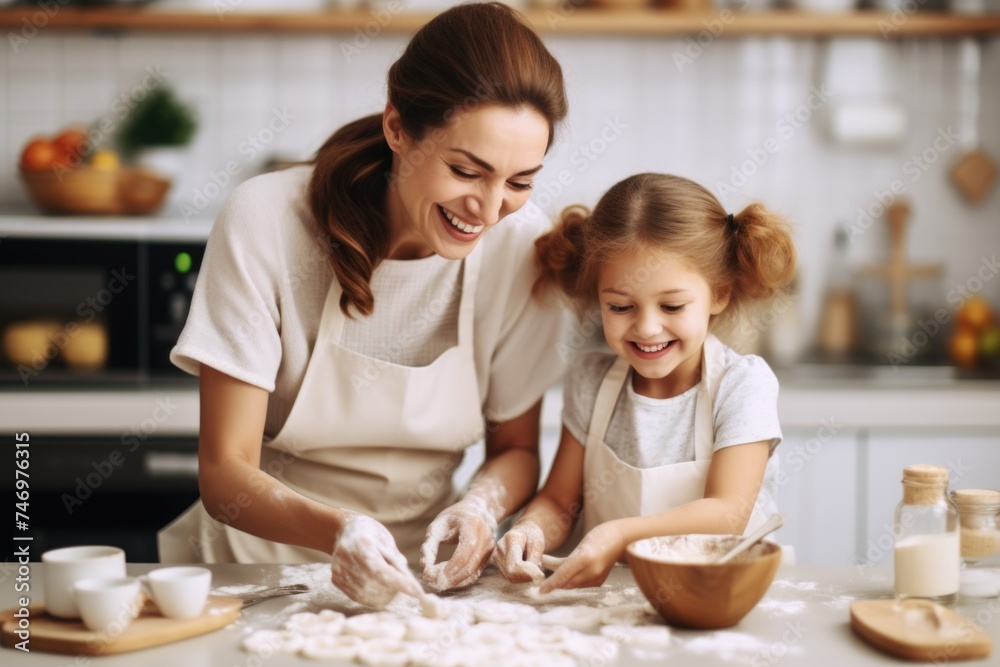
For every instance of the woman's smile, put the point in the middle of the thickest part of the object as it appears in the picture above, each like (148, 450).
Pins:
(459, 228)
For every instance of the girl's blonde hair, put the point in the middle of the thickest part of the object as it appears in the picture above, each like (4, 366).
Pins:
(752, 257)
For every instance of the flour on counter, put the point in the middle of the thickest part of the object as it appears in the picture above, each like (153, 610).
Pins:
(733, 646)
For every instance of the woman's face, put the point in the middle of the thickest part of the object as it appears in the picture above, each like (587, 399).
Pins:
(655, 310)
(451, 187)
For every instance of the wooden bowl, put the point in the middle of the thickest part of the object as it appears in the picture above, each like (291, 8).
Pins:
(89, 191)
(702, 595)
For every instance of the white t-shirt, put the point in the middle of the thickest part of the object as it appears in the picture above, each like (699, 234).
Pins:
(257, 305)
(652, 432)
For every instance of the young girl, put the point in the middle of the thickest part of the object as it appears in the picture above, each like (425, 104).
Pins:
(675, 432)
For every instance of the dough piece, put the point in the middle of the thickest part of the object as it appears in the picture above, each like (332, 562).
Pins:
(266, 643)
(336, 647)
(540, 639)
(385, 652)
(327, 622)
(646, 636)
(587, 648)
(420, 629)
(375, 625)
(489, 611)
(581, 619)
(489, 635)
(530, 570)
(629, 614)
(435, 607)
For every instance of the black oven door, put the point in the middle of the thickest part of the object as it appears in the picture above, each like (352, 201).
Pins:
(71, 311)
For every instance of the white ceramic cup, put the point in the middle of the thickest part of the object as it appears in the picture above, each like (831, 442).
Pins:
(108, 604)
(179, 592)
(64, 567)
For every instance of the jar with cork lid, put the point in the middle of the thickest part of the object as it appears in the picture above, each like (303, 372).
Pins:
(979, 517)
(926, 556)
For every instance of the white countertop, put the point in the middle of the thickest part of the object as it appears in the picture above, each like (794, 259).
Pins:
(802, 620)
(174, 410)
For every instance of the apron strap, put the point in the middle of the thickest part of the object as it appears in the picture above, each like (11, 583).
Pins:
(607, 397)
(712, 367)
(467, 307)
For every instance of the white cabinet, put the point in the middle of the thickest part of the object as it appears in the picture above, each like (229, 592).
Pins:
(972, 457)
(818, 493)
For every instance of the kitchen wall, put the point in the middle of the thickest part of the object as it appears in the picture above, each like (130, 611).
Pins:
(635, 102)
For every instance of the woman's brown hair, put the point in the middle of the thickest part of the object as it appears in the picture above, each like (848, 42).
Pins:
(751, 256)
(470, 55)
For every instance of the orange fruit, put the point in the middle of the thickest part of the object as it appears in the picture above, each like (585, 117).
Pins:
(975, 314)
(70, 146)
(38, 154)
(963, 348)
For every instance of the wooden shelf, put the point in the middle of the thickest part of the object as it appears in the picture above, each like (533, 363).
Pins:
(578, 22)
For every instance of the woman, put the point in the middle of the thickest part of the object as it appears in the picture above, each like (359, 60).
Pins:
(360, 292)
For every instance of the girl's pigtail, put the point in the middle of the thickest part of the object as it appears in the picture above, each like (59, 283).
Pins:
(764, 254)
(559, 255)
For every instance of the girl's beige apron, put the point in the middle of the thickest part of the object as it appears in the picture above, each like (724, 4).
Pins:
(364, 434)
(614, 489)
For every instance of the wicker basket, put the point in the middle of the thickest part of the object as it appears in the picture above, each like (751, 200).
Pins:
(89, 191)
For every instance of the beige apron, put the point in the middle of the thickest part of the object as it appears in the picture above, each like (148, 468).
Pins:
(614, 489)
(365, 435)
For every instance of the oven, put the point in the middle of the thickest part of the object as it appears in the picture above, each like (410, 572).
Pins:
(94, 303)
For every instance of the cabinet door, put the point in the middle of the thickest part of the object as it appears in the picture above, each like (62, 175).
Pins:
(817, 493)
(972, 457)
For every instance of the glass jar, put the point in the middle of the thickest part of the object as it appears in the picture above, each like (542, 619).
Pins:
(926, 557)
(979, 517)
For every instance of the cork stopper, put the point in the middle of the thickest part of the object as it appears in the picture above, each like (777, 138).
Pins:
(924, 484)
(976, 497)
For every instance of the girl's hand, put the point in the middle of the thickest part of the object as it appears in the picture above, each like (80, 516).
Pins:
(470, 523)
(591, 561)
(519, 553)
(367, 566)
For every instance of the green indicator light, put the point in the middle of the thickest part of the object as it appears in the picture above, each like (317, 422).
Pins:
(182, 262)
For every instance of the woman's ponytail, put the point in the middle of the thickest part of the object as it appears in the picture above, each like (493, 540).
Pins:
(347, 195)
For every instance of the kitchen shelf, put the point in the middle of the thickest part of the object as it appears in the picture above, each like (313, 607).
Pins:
(577, 22)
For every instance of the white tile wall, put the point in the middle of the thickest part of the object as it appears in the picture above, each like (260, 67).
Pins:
(698, 119)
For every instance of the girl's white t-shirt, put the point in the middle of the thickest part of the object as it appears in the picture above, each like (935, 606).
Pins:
(263, 283)
(652, 432)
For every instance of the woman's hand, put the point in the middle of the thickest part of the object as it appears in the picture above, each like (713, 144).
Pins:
(470, 523)
(519, 553)
(367, 566)
(591, 561)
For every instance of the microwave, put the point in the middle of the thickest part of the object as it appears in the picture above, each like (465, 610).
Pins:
(92, 301)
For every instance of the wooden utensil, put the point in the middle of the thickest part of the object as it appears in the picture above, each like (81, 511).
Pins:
(898, 271)
(919, 630)
(975, 172)
(149, 629)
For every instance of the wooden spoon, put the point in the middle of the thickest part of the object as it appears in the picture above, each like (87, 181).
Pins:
(773, 523)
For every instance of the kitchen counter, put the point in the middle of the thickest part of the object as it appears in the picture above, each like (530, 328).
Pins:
(805, 402)
(803, 620)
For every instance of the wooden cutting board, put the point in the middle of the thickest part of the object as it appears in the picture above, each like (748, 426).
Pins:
(919, 630)
(56, 635)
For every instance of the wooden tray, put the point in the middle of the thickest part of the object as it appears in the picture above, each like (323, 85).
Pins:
(56, 635)
(918, 630)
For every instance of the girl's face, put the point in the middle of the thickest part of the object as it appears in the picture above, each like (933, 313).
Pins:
(456, 183)
(655, 311)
